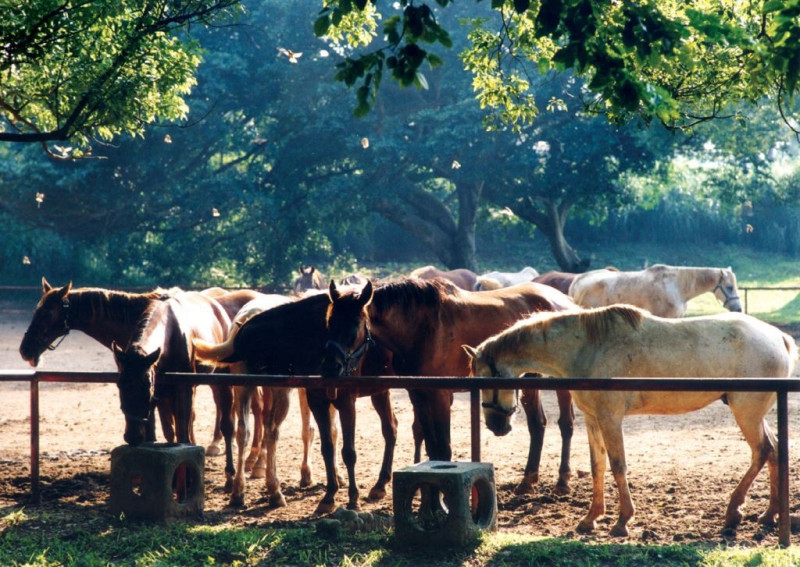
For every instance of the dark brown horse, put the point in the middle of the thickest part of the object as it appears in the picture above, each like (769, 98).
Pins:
(290, 339)
(309, 278)
(424, 324)
(108, 316)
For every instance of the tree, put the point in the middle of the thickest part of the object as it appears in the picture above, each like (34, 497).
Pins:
(674, 61)
(76, 72)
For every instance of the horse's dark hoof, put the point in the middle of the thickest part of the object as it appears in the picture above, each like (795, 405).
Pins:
(324, 508)
(376, 494)
(236, 501)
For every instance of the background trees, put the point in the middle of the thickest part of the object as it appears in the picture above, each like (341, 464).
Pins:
(272, 170)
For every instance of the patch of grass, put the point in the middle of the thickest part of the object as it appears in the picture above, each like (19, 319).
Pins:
(45, 540)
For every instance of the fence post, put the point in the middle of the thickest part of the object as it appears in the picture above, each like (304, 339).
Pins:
(35, 485)
(784, 521)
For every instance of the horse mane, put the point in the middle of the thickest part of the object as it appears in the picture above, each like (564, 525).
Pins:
(598, 323)
(411, 293)
(115, 305)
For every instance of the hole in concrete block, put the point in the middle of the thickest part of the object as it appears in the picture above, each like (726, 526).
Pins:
(185, 482)
(137, 482)
(482, 503)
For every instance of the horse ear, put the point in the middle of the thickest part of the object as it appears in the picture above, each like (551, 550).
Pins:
(312, 269)
(153, 357)
(333, 292)
(115, 348)
(472, 353)
(45, 286)
(62, 293)
(366, 294)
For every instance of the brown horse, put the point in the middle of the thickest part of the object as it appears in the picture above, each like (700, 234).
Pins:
(309, 278)
(559, 280)
(162, 342)
(463, 278)
(107, 316)
(290, 339)
(423, 324)
(262, 461)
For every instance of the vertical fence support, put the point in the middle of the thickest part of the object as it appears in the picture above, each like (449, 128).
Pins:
(784, 521)
(475, 423)
(36, 493)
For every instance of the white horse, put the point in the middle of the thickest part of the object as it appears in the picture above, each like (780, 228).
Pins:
(496, 280)
(662, 290)
(622, 340)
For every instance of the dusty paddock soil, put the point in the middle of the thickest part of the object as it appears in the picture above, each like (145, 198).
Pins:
(681, 469)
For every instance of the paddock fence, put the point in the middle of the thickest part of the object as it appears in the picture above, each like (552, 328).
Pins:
(781, 386)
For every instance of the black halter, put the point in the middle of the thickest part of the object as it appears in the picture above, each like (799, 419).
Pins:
(351, 359)
(728, 298)
(65, 306)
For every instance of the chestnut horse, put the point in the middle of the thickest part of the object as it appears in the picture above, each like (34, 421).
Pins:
(423, 324)
(289, 339)
(463, 278)
(162, 342)
(662, 290)
(108, 316)
(622, 340)
(559, 280)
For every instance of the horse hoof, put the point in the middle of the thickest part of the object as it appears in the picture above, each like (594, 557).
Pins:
(354, 505)
(376, 494)
(561, 490)
(324, 508)
(259, 472)
(237, 500)
(585, 527)
(277, 501)
(767, 520)
(213, 450)
(305, 479)
(524, 488)
(619, 530)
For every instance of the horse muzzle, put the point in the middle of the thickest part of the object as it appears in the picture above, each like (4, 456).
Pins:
(499, 424)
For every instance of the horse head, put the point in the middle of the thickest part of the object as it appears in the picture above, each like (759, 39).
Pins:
(50, 321)
(309, 278)
(348, 330)
(727, 292)
(137, 392)
(498, 406)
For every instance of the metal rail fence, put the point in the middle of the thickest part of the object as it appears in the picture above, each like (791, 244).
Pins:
(781, 386)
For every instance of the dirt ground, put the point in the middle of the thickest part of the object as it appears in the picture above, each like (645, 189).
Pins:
(682, 469)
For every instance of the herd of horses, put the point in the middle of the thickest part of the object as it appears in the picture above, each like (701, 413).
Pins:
(432, 323)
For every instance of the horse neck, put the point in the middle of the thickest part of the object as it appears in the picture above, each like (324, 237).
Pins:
(696, 281)
(106, 316)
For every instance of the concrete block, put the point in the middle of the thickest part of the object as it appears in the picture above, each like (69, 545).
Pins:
(157, 481)
(444, 503)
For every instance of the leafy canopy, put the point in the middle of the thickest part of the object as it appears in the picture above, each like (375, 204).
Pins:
(82, 70)
(679, 62)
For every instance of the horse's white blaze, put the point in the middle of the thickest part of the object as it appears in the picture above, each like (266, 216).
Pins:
(622, 340)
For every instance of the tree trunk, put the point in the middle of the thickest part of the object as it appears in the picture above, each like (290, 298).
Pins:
(550, 220)
(431, 221)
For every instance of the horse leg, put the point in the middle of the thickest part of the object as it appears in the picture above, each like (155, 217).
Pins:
(166, 415)
(224, 395)
(307, 433)
(537, 422)
(276, 416)
(611, 430)
(383, 405)
(419, 438)
(432, 408)
(762, 442)
(257, 409)
(566, 424)
(241, 406)
(214, 448)
(320, 408)
(260, 465)
(347, 416)
(184, 398)
(597, 457)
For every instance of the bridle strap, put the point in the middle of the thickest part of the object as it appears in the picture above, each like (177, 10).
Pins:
(728, 298)
(65, 305)
(351, 359)
(494, 405)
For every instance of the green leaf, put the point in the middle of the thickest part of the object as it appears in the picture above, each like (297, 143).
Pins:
(321, 26)
(549, 17)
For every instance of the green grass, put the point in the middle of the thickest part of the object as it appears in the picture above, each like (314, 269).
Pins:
(40, 538)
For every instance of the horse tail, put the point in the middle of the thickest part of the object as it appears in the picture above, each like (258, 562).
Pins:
(794, 356)
(217, 354)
